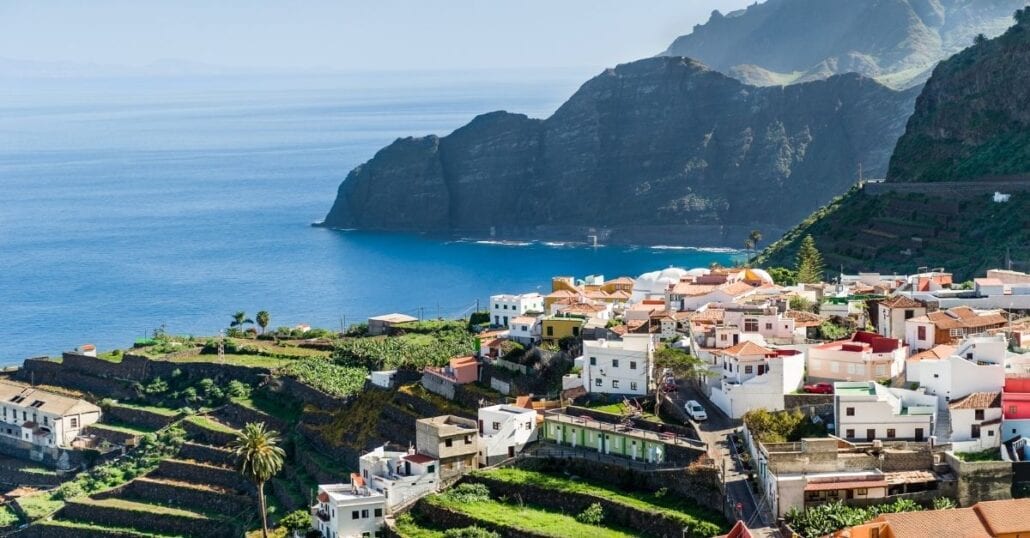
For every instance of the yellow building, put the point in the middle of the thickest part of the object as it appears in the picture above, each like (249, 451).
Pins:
(554, 328)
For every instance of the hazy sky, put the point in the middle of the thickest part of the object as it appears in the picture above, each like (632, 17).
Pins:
(348, 34)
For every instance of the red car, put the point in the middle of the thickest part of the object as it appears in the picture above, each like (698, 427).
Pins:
(819, 388)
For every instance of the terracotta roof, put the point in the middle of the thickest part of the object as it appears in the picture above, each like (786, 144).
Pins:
(739, 530)
(692, 290)
(710, 314)
(418, 458)
(942, 351)
(1005, 517)
(463, 361)
(962, 317)
(620, 294)
(803, 319)
(985, 518)
(977, 400)
(745, 348)
(561, 293)
(845, 484)
(737, 288)
(525, 401)
(621, 280)
(901, 301)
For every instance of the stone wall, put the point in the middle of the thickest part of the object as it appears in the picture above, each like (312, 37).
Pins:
(138, 417)
(224, 502)
(47, 372)
(981, 480)
(115, 437)
(202, 474)
(12, 474)
(237, 416)
(438, 385)
(449, 519)
(62, 459)
(158, 522)
(207, 436)
(311, 395)
(206, 454)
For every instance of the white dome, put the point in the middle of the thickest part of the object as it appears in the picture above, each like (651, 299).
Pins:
(699, 271)
(655, 282)
(761, 273)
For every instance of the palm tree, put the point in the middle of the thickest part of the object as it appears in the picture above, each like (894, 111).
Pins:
(756, 237)
(258, 458)
(263, 317)
(749, 247)
(239, 319)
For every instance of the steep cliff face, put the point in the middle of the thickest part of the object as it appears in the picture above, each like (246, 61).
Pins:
(968, 138)
(896, 41)
(647, 149)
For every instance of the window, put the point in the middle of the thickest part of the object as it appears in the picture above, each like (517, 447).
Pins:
(496, 305)
(431, 469)
(448, 442)
(722, 337)
(593, 361)
(633, 385)
(978, 414)
(1012, 410)
(497, 320)
(768, 326)
(849, 433)
(870, 434)
(364, 514)
(749, 369)
(921, 332)
(834, 367)
(355, 515)
(862, 491)
(74, 422)
(751, 325)
(550, 330)
(615, 363)
(632, 365)
(990, 433)
(909, 314)
(890, 433)
(597, 382)
(974, 431)
(496, 425)
(850, 411)
(366, 535)
(615, 383)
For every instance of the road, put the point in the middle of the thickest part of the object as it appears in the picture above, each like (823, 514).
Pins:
(715, 432)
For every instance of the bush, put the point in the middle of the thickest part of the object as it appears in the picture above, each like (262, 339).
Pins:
(470, 532)
(824, 519)
(296, 520)
(468, 493)
(943, 503)
(69, 490)
(592, 515)
(332, 379)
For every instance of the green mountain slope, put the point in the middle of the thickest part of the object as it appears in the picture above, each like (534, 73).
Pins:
(968, 138)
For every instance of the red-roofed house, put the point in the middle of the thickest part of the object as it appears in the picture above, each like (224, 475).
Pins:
(401, 476)
(866, 356)
(754, 376)
(442, 381)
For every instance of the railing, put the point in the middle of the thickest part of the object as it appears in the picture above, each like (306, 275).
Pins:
(559, 452)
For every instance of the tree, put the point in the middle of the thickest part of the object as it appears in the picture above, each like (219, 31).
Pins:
(755, 237)
(809, 262)
(296, 520)
(239, 319)
(783, 276)
(258, 458)
(263, 317)
(591, 515)
(749, 247)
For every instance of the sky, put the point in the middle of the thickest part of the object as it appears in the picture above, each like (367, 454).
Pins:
(349, 35)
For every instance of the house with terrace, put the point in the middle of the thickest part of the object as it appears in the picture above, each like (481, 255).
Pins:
(451, 440)
(753, 376)
(976, 421)
(504, 308)
(976, 365)
(864, 356)
(950, 326)
(866, 410)
(30, 417)
(349, 510)
(638, 441)
(504, 431)
(402, 477)
(893, 312)
(620, 367)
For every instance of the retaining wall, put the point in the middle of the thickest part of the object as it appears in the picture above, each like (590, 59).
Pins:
(139, 417)
(199, 473)
(238, 416)
(220, 501)
(311, 395)
(207, 436)
(159, 522)
(981, 480)
(206, 454)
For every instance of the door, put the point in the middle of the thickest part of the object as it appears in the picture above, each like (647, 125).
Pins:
(870, 434)
(511, 452)
(919, 434)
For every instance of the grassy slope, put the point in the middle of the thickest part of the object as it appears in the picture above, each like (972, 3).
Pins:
(527, 518)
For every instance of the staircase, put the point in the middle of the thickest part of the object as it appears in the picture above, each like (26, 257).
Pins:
(942, 429)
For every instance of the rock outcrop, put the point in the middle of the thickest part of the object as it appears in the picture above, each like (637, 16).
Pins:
(659, 150)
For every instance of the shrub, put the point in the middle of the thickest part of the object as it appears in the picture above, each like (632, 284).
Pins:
(238, 389)
(468, 493)
(943, 503)
(592, 515)
(69, 490)
(296, 520)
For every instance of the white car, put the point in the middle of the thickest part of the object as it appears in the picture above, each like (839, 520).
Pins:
(695, 410)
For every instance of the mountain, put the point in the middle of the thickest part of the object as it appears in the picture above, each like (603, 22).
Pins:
(662, 150)
(896, 41)
(968, 138)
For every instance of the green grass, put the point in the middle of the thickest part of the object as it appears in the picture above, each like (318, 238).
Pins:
(408, 527)
(134, 506)
(39, 505)
(163, 411)
(279, 407)
(38, 470)
(527, 519)
(702, 520)
(209, 424)
(253, 361)
(111, 356)
(78, 525)
(8, 517)
(123, 428)
(990, 454)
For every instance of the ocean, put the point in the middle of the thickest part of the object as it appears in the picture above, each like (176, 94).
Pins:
(133, 204)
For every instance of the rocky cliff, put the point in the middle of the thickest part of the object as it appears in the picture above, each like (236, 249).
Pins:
(662, 150)
(896, 41)
(968, 138)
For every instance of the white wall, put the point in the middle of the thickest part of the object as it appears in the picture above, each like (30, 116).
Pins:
(912, 335)
(633, 354)
(764, 391)
(962, 421)
(882, 411)
(504, 308)
(955, 377)
(503, 427)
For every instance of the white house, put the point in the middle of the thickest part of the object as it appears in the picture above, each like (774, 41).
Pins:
(619, 366)
(524, 329)
(976, 421)
(401, 477)
(977, 365)
(504, 430)
(383, 378)
(691, 296)
(946, 326)
(755, 377)
(504, 308)
(768, 322)
(893, 312)
(43, 418)
(349, 510)
(865, 356)
(867, 410)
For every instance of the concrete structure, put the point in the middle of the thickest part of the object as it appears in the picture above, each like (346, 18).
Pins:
(865, 356)
(756, 377)
(504, 430)
(868, 410)
(454, 441)
(505, 308)
(554, 328)
(383, 378)
(43, 418)
(349, 510)
(619, 367)
(402, 477)
(692, 295)
(892, 314)
(770, 323)
(976, 421)
(587, 433)
(950, 326)
(378, 325)
(525, 330)
(977, 365)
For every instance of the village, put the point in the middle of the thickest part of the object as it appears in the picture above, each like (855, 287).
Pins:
(681, 402)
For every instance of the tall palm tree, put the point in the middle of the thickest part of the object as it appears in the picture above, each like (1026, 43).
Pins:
(239, 319)
(258, 458)
(263, 317)
(749, 247)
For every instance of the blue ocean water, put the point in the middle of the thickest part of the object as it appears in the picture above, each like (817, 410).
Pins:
(130, 204)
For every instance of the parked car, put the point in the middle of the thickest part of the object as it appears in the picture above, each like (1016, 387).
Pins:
(695, 410)
(669, 384)
(819, 388)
